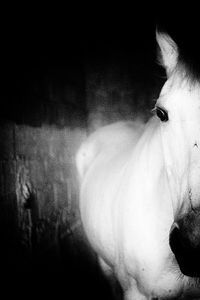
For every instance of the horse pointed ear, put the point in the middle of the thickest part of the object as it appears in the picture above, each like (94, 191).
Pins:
(168, 57)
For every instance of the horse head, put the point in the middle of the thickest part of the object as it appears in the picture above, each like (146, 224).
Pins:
(178, 108)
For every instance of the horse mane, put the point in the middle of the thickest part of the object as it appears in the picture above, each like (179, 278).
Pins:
(189, 69)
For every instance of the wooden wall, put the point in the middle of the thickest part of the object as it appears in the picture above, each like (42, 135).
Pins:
(39, 189)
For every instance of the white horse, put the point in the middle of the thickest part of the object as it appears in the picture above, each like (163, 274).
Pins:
(139, 191)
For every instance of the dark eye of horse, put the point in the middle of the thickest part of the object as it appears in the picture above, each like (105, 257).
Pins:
(162, 114)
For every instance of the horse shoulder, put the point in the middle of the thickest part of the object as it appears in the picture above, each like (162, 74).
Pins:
(111, 137)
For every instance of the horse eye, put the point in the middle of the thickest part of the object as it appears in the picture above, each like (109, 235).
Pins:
(162, 114)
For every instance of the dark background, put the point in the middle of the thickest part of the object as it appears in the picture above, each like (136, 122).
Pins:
(77, 69)
(42, 57)
(45, 51)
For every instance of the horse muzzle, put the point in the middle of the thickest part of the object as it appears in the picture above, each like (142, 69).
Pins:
(184, 241)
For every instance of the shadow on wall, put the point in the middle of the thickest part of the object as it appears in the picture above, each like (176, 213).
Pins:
(113, 94)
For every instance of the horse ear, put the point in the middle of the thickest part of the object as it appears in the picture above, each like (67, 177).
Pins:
(168, 57)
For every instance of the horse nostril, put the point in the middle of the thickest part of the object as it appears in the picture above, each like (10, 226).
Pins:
(175, 239)
(186, 255)
(174, 226)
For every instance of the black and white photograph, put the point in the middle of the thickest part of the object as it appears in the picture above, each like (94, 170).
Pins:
(100, 153)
